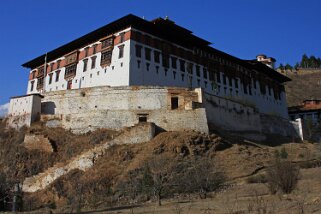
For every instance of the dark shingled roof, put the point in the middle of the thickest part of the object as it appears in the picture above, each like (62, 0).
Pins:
(159, 27)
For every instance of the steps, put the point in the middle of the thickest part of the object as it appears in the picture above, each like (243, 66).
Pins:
(137, 134)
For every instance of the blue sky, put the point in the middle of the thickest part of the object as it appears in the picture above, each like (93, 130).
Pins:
(283, 29)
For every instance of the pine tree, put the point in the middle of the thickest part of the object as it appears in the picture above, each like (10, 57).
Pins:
(304, 61)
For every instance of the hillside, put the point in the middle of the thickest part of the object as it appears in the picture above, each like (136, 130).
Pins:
(303, 86)
(123, 178)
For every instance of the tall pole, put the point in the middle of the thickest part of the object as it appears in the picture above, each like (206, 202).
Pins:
(45, 74)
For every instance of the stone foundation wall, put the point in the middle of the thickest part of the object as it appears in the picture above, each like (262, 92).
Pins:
(114, 108)
(231, 115)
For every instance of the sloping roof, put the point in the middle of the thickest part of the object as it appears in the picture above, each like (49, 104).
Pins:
(259, 66)
(159, 27)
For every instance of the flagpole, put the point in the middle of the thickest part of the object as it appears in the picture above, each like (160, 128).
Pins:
(45, 74)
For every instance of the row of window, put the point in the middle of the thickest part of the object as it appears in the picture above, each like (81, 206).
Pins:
(166, 59)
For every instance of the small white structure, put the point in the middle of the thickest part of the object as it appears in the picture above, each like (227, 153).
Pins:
(24, 110)
(268, 61)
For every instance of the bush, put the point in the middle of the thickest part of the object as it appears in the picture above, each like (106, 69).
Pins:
(283, 154)
(283, 176)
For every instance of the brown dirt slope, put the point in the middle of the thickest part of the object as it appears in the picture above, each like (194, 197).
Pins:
(98, 188)
(302, 87)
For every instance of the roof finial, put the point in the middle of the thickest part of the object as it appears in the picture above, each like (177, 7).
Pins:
(166, 18)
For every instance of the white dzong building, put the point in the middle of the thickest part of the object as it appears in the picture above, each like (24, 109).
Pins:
(132, 51)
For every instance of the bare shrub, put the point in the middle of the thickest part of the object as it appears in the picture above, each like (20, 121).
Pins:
(283, 176)
(202, 177)
(161, 171)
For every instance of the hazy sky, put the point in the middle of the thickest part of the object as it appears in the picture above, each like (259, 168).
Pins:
(283, 29)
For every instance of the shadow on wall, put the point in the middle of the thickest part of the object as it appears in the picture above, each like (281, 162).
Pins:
(48, 108)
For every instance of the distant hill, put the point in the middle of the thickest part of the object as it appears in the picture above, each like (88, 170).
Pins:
(304, 85)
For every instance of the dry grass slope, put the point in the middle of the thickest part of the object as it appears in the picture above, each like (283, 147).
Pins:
(303, 86)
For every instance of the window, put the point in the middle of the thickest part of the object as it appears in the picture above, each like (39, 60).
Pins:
(218, 77)
(157, 69)
(174, 103)
(204, 73)
(142, 118)
(39, 83)
(138, 51)
(165, 60)
(71, 70)
(198, 71)
(182, 65)
(245, 89)
(230, 81)
(147, 66)
(190, 67)
(236, 83)
(86, 51)
(121, 51)
(71, 58)
(156, 56)
(69, 84)
(122, 37)
(58, 64)
(51, 66)
(33, 74)
(224, 79)
(93, 62)
(211, 76)
(106, 57)
(174, 74)
(85, 65)
(138, 63)
(174, 64)
(148, 54)
(107, 43)
(41, 71)
(57, 75)
(50, 78)
(95, 49)
(32, 85)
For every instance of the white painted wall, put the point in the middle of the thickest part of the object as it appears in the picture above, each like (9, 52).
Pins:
(24, 110)
(126, 72)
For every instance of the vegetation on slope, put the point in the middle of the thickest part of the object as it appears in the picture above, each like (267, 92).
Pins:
(302, 87)
(184, 165)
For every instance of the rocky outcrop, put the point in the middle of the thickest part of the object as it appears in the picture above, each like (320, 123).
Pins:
(38, 142)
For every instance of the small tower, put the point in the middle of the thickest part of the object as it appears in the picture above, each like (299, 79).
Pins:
(268, 61)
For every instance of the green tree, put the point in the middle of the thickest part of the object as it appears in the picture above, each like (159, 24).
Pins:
(304, 61)
(281, 67)
(288, 67)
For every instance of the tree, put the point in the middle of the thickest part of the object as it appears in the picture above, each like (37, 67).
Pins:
(304, 61)
(282, 176)
(318, 62)
(296, 66)
(281, 67)
(288, 67)
(161, 173)
(313, 62)
(200, 177)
